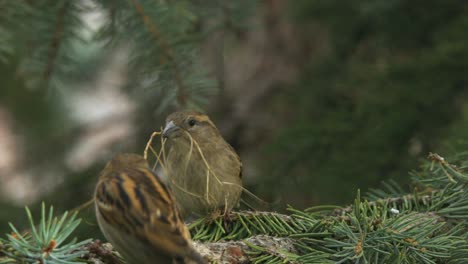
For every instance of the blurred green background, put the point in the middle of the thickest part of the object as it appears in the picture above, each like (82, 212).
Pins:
(318, 97)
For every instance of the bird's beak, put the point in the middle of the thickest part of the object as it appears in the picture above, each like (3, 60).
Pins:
(169, 129)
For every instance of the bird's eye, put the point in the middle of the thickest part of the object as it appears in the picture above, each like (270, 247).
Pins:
(192, 122)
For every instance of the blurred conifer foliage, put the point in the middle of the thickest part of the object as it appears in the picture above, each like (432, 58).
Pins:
(386, 83)
(51, 51)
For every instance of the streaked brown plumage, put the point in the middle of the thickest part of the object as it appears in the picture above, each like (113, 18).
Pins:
(202, 182)
(138, 215)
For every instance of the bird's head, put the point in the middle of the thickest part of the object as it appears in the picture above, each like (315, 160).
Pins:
(121, 162)
(126, 160)
(196, 124)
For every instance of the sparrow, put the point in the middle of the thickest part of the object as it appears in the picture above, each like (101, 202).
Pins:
(136, 212)
(204, 171)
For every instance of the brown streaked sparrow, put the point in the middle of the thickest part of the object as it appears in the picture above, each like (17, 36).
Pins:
(138, 214)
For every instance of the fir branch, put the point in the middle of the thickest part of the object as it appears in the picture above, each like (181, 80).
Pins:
(55, 43)
(166, 52)
(44, 243)
(48, 34)
(393, 202)
(245, 224)
(428, 227)
(389, 189)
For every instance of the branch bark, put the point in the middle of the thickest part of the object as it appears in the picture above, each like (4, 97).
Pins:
(215, 252)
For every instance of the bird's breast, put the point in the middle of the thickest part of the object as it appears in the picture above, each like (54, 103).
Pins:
(192, 166)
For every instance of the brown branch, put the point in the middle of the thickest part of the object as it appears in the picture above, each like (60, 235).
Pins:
(215, 252)
(56, 41)
(167, 53)
(237, 251)
(100, 253)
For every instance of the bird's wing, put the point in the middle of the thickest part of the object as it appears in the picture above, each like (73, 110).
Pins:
(233, 151)
(136, 202)
(240, 170)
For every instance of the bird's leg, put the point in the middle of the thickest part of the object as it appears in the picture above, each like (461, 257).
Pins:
(214, 215)
(219, 212)
(227, 215)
